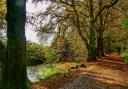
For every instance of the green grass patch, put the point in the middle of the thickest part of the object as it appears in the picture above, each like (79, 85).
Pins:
(53, 72)
(125, 56)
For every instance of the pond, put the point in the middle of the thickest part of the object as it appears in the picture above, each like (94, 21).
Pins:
(34, 72)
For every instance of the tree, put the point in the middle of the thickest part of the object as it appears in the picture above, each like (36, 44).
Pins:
(70, 14)
(113, 33)
(2, 14)
(14, 74)
(82, 15)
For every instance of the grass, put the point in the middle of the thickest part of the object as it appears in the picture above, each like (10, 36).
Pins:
(58, 70)
(56, 76)
(52, 72)
(106, 80)
(125, 55)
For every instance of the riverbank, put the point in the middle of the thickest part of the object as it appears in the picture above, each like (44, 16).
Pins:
(108, 73)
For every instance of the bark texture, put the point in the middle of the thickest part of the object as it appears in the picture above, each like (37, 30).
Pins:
(14, 74)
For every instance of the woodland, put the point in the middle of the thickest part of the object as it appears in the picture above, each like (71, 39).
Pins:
(88, 50)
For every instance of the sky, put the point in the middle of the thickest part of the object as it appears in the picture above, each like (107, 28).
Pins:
(34, 8)
(31, 35)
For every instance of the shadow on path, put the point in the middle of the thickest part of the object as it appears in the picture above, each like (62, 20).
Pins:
(108, 72)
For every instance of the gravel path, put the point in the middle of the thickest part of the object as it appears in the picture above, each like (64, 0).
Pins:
(86, 81)
(102, 75)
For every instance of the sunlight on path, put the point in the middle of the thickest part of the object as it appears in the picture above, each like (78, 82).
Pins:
(108, 73)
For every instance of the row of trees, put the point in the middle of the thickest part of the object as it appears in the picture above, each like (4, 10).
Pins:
(89, 18)
(93, 20)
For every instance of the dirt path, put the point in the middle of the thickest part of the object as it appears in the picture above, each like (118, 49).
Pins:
(108, 73)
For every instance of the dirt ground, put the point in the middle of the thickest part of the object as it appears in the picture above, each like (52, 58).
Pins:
(108, 72)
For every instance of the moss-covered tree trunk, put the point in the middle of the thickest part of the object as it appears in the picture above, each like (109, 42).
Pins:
(100, 44)
(2, 49)
(14, 74)
(100, 32)
(92, 38)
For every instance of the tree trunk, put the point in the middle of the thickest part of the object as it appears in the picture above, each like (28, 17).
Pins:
(92, 39)
(100, 33)
(100, 49)
(14, 74)
(2, 49)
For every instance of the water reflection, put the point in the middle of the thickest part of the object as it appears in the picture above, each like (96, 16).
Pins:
(34, 72)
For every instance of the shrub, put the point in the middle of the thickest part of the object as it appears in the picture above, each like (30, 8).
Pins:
(34, 54)
(51, 55)
(67, 51)
(125, 56)
(37, 54)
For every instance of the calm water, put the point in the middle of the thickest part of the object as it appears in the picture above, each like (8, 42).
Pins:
(34, 72)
